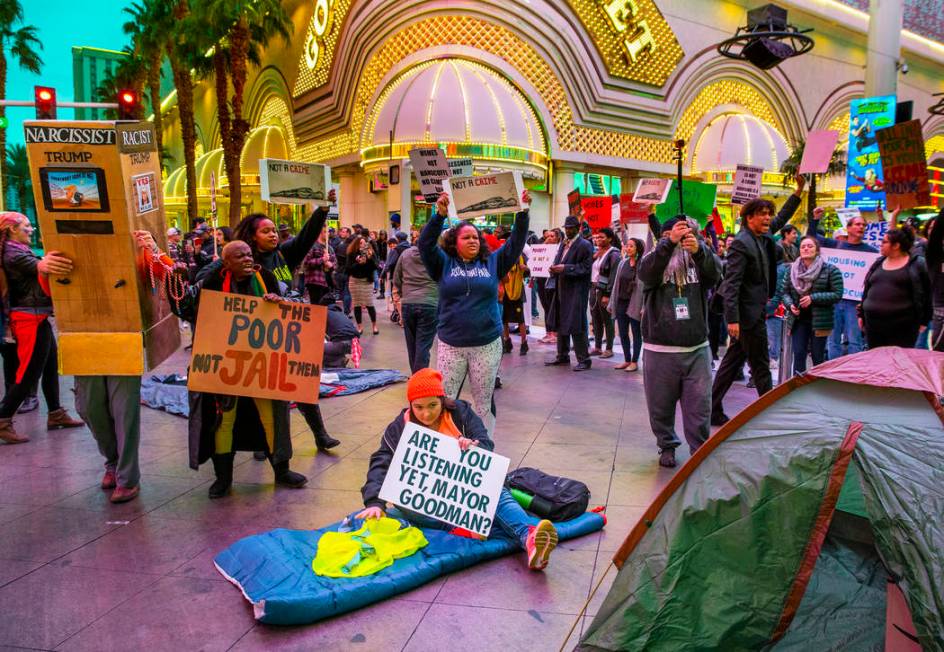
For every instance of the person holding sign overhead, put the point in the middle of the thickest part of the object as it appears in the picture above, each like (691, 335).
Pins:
(430, 407)
(470, 321)
(281, 258)
(220, 425)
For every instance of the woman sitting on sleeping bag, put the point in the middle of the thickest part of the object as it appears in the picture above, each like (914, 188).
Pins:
(429, 407)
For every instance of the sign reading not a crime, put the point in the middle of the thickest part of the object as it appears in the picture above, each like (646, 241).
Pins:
(245, 346)
(430, 475)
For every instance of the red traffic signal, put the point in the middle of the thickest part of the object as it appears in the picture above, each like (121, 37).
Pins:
(129, 105)
(44, 98)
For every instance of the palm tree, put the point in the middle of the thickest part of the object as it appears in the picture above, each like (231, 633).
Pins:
(18, 177)
(130, 73)
(148, 44)
(790, 167)
(242, 27)
(21, 42)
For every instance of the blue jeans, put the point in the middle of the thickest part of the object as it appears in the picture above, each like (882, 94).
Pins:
(419, 328)
(774, 335)
(806, 342)
(623, 324)
(845, 322)
(341, 279)
(510, 519)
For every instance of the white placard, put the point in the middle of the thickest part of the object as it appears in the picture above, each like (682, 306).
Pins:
(460, 167)
(431, 168)
(293, 182)
(541, 259)
(144, 193)
(431, 476)
(875, 233)
(485, 195)
(747, 182)
(652, 191)
(854, 266)
(846, 214)
(640, 231)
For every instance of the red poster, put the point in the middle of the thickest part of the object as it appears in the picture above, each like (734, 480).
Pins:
(597, 211)
(633, 212)
(573, 203)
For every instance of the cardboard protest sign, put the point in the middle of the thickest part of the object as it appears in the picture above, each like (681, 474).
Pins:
(875, 233)
(818, 151)
(144, 193)
(652, 191)
(698, 197)
(846, 214)
(854, 266)
(747, 182)
(430, 475)
(490, 193)
(906, 170)
(573, 203)
(245, 346)
(864, 186)
(460, 167)
(431, 168)
(293, 182)
(541, 259)
(597, 211)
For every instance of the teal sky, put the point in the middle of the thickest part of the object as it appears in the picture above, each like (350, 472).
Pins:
(97, 23)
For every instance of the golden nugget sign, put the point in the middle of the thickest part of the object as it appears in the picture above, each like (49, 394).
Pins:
(320, 23)
(633, 38)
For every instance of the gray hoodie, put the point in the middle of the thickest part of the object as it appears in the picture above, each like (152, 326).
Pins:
(412, 281)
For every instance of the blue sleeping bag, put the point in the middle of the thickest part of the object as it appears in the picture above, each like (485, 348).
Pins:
(273, 570)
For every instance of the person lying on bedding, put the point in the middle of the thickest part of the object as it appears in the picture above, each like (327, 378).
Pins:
(429, 407)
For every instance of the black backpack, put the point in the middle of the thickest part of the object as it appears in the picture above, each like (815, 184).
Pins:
(555, 498)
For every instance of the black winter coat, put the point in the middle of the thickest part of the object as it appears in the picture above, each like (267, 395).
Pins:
(572, 287)
(467, 421)
(25, 293)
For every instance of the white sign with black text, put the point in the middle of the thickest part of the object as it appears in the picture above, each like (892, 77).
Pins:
(541, 259)
(854, 266)
(485, 195)
(431, 168)
(747, 182)
(431, 476)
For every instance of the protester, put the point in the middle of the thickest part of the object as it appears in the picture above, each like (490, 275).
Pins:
(469, 326)
(935, 261)
(361, 267)
(774, 313)
(789, 250)
(546, 294)
(285, 232)
(340, 335)
(811, 289)
(626, 303)
(511, 291)
(174, 248)
(570, 281)
(220, 425)
(258, 231)
(750, 279)
(26, 302)
(676, 276)
(417, 295)
(383, 274)
(845, 319)
(429, 406)
(896, 296)
(606, 257)
(341, 281)
(317, 266)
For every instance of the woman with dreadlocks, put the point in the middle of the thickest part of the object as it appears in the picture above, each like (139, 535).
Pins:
(24, 283)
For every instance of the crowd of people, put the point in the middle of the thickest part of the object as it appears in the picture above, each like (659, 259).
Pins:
(674, 299)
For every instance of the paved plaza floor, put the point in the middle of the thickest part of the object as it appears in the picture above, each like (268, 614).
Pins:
(78, 573)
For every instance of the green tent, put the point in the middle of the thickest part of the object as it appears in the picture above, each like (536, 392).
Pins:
(812, 521)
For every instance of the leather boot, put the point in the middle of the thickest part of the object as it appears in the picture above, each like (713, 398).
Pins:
(223, 467)
(287, 477)
(60, 419)
(9, 434)
(324, 441)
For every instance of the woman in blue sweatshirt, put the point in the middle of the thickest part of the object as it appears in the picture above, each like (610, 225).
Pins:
(470, 326)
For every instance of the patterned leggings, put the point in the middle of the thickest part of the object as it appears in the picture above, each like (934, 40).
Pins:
(481, 363)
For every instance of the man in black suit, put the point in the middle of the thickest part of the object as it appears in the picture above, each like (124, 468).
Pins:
(570, 274)
(750, 279)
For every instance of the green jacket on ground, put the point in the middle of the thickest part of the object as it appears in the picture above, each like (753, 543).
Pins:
(825, 293)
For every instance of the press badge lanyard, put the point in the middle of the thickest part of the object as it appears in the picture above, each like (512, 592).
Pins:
(680, 304)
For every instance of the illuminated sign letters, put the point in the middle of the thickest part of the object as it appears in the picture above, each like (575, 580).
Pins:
(320, 22)
(624, 17)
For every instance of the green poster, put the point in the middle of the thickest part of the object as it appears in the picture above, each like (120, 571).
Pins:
(698, 199)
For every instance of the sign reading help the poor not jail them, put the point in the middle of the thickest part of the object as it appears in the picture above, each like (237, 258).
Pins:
(431, 476)
(245, 346)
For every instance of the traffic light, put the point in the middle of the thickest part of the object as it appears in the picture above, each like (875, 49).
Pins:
(44, 98)
(129, 105)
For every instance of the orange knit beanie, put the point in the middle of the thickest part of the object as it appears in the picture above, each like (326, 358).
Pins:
(424, 383)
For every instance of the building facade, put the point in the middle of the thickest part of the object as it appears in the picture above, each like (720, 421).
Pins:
(590, 94)
(90, 67)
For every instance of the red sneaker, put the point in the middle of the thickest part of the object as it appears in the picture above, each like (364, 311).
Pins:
(542, 539)
(124, 494)
(109, 481)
